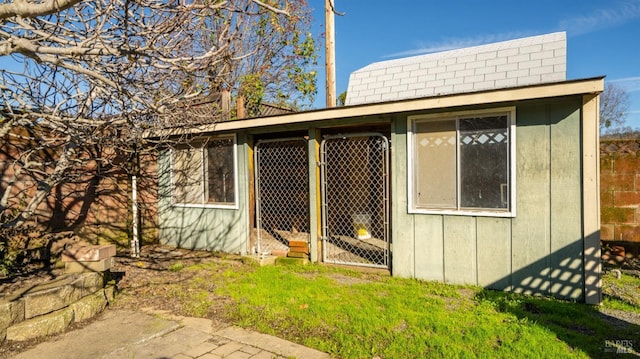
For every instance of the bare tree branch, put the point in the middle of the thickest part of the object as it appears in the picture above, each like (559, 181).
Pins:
(25, 9)
(93, 75)
(271, 8)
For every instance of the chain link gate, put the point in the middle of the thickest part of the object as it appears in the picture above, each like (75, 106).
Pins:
(355, 199)
(282, 193)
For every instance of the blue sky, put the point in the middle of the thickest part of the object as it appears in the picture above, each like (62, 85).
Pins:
(603, 37)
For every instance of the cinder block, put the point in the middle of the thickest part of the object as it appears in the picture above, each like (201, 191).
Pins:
(89, 253)
(506, 67)
(279, 252)
(295, 243)
(618, 215)
(531, 49)
(508, 52)
(428, 91)
(394, 70)
(606, 232)
(542, 70)
(496, 76)
(554, 45)
(487, 55)
(525, 80)
(630, 233)
(626, 198)
(92, 266)
(463, 87)
(506, 83)
(300, 249)
(497, 61)
(626, 164)
(553, 61)
(530, 64)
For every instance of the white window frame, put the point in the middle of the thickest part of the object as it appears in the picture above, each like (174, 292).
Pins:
(202, 146)
(411, 190)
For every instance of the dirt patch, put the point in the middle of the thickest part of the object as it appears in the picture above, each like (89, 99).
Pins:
(141, 283)
(154, 279)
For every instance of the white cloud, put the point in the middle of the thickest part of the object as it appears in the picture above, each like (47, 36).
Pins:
(458, 43)
(619, 13)
(629, 84)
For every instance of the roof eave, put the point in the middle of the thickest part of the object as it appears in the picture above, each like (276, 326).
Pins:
(593, 85)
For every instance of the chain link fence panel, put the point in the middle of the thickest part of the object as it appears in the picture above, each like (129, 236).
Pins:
(282, 193)
(355, 200)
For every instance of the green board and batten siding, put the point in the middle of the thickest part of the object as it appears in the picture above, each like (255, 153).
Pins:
(539, 251)
(218, 229)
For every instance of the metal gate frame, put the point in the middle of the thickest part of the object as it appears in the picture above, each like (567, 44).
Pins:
(280, 227)
(353, 243)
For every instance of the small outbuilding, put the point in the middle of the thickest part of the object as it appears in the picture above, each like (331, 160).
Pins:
(473, 166)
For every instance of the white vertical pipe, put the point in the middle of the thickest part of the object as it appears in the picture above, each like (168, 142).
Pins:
(135, 241)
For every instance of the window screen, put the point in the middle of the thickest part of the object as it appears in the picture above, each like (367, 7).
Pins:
(205, 172)
(462, 163)
(220, 176)
(187, 175)
(484, 156)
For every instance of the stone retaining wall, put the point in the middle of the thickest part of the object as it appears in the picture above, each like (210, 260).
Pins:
(51, 307)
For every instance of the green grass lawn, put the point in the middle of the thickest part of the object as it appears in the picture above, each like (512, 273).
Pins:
(351, 314)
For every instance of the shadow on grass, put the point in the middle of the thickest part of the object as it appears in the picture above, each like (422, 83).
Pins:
(580, 326)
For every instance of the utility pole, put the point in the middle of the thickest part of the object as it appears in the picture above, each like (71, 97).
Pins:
(330, 53)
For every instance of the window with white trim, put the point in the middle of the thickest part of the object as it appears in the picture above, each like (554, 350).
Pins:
(462, 163)
(204, 172)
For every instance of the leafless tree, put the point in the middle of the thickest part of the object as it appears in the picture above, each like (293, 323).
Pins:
(614, 108)
(266, 56)
(94, 74)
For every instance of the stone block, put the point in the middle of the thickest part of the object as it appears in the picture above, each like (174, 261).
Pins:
(89, 253)
(92, 266)
(10, 313)
(110, 291)
(44, 325)
(91, 282)
(51, 299)
(89, 306)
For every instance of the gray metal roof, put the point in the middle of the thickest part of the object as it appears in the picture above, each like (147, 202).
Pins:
(526, 61)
